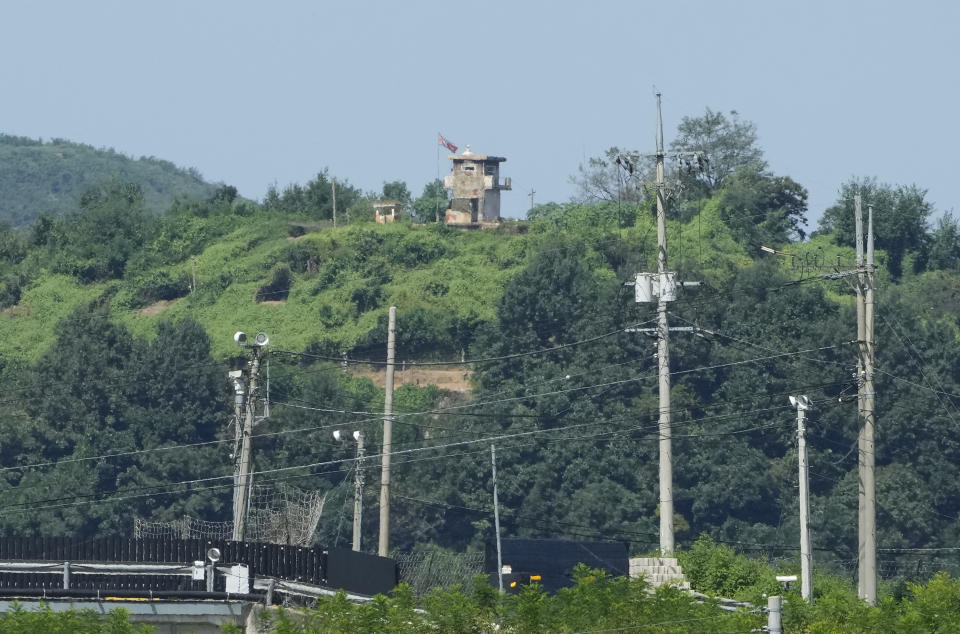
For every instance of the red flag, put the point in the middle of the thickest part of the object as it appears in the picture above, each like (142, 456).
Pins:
(447, 144)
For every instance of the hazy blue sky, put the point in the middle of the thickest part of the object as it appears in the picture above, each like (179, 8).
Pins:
(255, 93)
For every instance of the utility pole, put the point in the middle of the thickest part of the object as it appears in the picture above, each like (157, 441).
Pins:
(532, 192)
(384, 546)
(802, 403)
(496, 516)
(663, 284)
(242, 479)
(867, 547)
(358, 491)
(663, 355)
(333, 189)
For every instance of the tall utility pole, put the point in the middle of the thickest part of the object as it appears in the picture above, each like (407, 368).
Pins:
(663, 355)
(802, 403)
(384, 547)
(532, 192)
(242, 484)
(358, 491)
(867, 547)
(663, 284)
(496, 516)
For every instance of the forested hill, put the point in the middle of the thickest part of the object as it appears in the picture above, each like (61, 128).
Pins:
(49, 177)
(117, 327)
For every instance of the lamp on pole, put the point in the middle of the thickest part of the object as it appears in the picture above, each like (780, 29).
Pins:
(357, 486)
(244, 427)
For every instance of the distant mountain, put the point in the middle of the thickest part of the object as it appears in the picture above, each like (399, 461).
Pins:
(48, 177)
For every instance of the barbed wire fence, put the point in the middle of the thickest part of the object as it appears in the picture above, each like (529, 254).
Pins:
(278, 515)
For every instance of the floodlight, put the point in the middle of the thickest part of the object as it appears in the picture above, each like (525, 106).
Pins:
(356, 435)
(337, 435)
(793, 401)
(213, 554)
(240, 337)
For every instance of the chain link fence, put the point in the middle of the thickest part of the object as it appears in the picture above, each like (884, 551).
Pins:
(424, 571)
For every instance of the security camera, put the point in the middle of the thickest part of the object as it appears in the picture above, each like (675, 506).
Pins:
(262, 339)
(213, 554)
(786, 580)
(240, 337)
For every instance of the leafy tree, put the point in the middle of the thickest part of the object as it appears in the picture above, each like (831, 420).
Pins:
(944, 245)
(397, 190)
(95, 243)
(432, 203)
(615, 176)
(900, 217)
(117, 395)
(763, 209)
(315, 199)
(729, 143)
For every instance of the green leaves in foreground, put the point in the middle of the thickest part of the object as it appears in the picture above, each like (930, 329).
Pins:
(44, 620)
(597, 602)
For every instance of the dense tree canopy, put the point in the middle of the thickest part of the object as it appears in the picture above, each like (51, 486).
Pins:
(901, 215)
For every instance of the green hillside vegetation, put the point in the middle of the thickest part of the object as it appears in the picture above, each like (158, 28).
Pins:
(600, 602)
(49, 177)
(118, 326)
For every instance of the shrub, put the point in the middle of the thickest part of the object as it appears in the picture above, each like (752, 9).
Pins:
(279, 287)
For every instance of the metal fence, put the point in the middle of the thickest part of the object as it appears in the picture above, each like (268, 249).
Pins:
(291, 563)
(425, 571)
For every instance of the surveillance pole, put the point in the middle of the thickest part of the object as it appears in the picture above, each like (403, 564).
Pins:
(241, 496)
(384, 545)
(806, 554)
